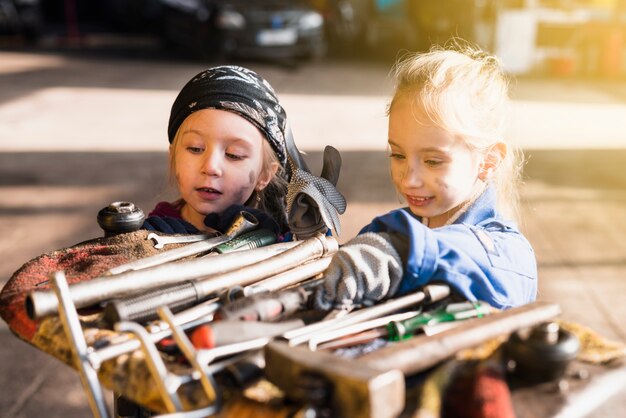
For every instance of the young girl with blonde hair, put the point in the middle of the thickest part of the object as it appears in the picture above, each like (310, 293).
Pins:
(459, 177)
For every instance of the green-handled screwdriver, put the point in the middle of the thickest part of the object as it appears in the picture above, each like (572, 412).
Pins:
(246, 241)
(401, 330)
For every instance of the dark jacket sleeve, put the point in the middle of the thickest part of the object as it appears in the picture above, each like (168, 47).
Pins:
(169, 225)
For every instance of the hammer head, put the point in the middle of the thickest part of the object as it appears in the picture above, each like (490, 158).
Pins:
(357, 390)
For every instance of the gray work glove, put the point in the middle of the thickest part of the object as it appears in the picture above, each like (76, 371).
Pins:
(313, 203)
(364, 270)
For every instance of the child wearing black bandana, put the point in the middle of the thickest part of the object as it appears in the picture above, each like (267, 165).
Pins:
(227, 151)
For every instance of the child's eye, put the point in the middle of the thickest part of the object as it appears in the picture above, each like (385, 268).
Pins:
(234, 157)
(195, 150)
(396, 156)
(433, 163)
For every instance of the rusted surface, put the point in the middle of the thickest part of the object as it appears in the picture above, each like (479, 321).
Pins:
(81, 262)
(127, 374)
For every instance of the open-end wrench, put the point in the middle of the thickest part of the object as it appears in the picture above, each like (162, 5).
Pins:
(161, 240)
(244, 221)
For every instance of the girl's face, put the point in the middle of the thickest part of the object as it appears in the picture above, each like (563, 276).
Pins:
(218, 162)
(432, 169)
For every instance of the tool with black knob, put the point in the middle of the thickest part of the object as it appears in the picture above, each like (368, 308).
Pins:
(120, 217)
(542, 353)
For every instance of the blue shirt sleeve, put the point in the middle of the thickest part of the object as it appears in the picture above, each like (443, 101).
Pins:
(491, 261)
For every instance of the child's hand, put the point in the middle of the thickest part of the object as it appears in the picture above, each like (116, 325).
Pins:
(169, 225)
(222, 221)
(365, 270)
(313, 203)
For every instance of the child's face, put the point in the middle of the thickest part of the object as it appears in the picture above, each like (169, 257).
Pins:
(431, 168)
(218, 162)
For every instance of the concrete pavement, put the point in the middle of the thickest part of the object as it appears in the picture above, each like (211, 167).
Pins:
(77, 133)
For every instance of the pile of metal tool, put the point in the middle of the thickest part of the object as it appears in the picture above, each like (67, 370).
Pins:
(165, 328)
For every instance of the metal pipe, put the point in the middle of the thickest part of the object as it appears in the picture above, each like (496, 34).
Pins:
(311, 249)
(141, 308)
(42, 303)
(78, 345)
(202, 312)
(289, 277)
(144, 307)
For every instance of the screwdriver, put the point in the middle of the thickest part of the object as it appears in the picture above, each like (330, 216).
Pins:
(246, 241)
(401, 330)
(226, 332)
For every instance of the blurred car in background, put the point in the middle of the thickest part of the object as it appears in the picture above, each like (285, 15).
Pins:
(346, 23)
(21, 17)
(244, 28)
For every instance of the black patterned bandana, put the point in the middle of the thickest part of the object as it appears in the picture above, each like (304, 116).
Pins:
(234, 89)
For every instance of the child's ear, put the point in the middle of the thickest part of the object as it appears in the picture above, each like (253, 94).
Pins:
(492, 159)
(266, 176)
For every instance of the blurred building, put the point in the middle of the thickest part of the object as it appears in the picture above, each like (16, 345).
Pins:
(575, 37)
(558, 37)
(555, 37)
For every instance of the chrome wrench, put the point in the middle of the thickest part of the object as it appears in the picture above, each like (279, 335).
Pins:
(161, 240)
(245, 221)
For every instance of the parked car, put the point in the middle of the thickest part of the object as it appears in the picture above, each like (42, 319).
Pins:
(244, 28)
(21, 17)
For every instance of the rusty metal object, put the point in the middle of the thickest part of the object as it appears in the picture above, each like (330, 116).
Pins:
(361, 391)
(81, 263)
(356, 389)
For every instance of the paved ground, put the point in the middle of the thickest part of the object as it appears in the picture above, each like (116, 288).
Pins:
(79, 132)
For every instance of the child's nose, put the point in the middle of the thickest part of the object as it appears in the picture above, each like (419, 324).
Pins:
(413, 176)
(212, 164)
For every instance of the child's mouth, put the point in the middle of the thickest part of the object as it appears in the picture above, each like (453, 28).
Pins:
(208, 193)
(419, 201)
